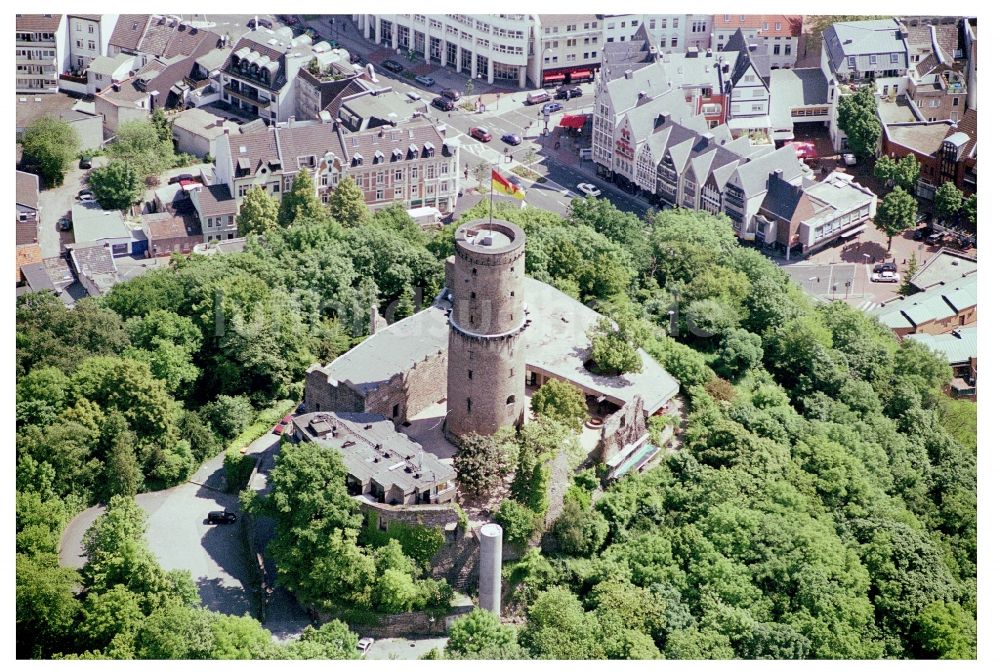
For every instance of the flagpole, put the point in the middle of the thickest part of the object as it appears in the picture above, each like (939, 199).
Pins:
(491, 193)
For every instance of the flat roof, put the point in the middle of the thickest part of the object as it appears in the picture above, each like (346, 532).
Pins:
(556, 344)
(925, 138)
(372, 450)
(896, 111)
(796, 88)
(91, 224)
(945, 266)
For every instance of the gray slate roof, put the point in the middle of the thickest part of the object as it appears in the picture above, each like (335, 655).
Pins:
(795, 88)
(752, 176)
(880, 37)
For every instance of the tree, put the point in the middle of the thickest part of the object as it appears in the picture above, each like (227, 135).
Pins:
(947, 201)
(895, 214)
(140, 144)
(902, 173)
(347, 203)
(109, 614)
(331, 641)
(122, 475)
(481, 172)
(946, 630)
(229, 415)
(580, 530)
(969, 210)
(48, 148)
(116, 186)
(517, 520)
(613, 351)
(258, 213)
(240, 638)
(176, 632)
(481, 635)
(912, 268)
(300, 202)
(482, 462)
(164, 129)
(857, 117)
(740, 351)
(560, 401)
(46, 608)
(559, 628)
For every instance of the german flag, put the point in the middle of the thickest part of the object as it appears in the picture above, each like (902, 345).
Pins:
(507, 185)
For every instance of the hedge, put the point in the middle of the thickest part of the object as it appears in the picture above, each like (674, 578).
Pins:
(239, 466)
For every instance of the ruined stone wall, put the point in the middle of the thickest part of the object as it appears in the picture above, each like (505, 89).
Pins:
(322, 395)
(622, 428)
(411, 391)
(440, 516)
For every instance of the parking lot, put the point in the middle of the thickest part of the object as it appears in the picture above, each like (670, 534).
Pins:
(831, 280)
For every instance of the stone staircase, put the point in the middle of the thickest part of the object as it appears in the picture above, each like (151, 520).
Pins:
(458, 563)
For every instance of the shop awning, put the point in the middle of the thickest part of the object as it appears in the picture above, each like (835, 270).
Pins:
(558, 77)
(853, 232)
(575, 121)
(581, 74)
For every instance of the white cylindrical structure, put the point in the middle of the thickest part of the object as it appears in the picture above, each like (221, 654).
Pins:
(490, 559)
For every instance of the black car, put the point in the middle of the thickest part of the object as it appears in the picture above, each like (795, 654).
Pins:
(925, 232)
(451, 94)
(64, 224)
(889, 266)
(392, 66)
(85, 162)
(567, 92)
(221, 517)
(443, 103)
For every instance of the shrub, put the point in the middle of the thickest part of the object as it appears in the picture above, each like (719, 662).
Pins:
(518, 521)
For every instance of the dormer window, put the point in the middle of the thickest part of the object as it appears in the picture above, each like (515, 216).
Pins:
(411, 152)
(378, 158)
(357, 160)
(397, 154)
(428, 150)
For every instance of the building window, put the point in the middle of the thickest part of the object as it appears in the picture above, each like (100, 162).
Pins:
(673, 41)
(468, 404)
(470, 374)
(777, 50)
(395, 410)
(872, 59)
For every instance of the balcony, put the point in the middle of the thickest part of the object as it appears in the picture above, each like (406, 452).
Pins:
(246, 95)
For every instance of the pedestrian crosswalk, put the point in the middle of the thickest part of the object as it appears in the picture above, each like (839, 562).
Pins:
(868, 306)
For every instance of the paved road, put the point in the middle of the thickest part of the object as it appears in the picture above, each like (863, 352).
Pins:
(180, 538)
(56, 203)
(404, 649)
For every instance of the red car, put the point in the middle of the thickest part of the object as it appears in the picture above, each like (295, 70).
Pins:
(280, 428)
(481, 134)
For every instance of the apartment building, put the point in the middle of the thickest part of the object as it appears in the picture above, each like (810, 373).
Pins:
(777, 34)
(946, 152)
(748, 89)
(491, 47)
(41, 52)
(567, 48)
(411, 163)
(936, 76)
(89, 37)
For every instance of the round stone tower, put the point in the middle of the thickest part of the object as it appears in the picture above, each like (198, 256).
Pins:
(485, 348)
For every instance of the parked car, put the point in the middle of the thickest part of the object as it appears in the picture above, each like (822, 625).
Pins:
(180, 178)
(424, 80)
(392, 66)
(413, 95)
(221, 517)
(85, 192)
(88, 198)
(364, 644)
(588, 189)
(282, 425)
(849, 159)
(64, 224)
(568, 92)
(511, 139)
(551, 107)
(263, 23)
(923, 232)
(85, 162)
(480, 134)
(443, 103)
(451, 94)
(885, 266)
(885, 276)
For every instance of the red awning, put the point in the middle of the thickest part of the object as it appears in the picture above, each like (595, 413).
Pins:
(552, 78)
(573, 121)
(581, 74)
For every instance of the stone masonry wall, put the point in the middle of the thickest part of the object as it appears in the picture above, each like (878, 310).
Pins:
(412, 390)
(428, 515)
(622, 428)
(322, 395)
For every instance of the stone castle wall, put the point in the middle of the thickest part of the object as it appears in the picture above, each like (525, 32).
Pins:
(621, 429)
(411, 391)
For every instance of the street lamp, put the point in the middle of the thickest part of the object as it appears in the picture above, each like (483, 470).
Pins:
(867, 259)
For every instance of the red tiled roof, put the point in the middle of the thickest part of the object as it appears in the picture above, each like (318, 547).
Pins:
(163, 39)
(967, 125)
(26, 189)
(38, 23)
(791, 25)
(128, 31)
(164, 225)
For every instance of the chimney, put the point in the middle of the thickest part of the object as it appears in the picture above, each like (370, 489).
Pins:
(706, 138)
(219, 122)
(775, 177)
(374, 319)
(628, 74)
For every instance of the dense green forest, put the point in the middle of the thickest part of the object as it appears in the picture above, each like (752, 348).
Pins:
(824, 504)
